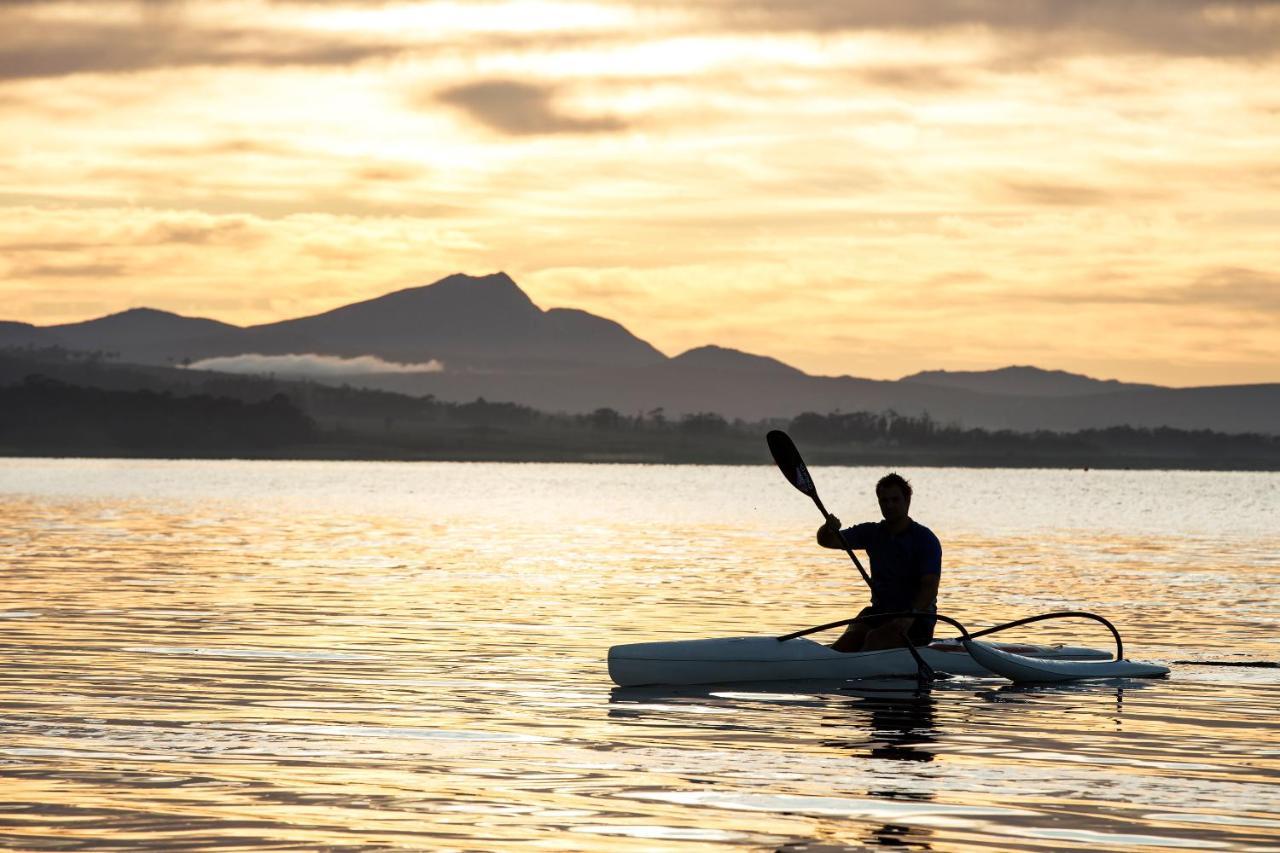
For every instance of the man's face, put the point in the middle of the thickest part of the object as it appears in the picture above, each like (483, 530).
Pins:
(893, 503)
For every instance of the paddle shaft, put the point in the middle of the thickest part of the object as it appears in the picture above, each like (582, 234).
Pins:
(839, 535)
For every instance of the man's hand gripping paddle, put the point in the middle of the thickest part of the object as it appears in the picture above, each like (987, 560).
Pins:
(793, 468)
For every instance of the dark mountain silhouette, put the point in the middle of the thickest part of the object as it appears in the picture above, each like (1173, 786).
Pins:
(1021, 380)
(464, 321)
(497, 344)
(716, 358)
(25, 335)
(468, 322)
(141, 334)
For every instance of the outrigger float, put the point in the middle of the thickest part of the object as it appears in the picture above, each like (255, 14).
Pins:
(794, 657)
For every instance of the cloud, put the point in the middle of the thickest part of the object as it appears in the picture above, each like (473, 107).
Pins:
(241, 231)
(1061, 194)
(1236, 288)
(1176, 27)
(35, 48)
(231, 147)
(54, 39)
(521, 109)
(312, 366)
(64, 269)
(916, 77)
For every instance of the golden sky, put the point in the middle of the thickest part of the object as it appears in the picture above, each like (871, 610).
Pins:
(870, 188)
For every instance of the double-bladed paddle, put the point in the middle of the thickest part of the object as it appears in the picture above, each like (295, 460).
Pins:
(797, 474)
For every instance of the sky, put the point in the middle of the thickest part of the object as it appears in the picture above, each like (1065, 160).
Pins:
(854, 187)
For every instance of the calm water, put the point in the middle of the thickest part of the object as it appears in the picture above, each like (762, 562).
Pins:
(355, 655)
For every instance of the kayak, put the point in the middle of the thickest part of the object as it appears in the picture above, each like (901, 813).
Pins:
(729, 659)
(1021, 667)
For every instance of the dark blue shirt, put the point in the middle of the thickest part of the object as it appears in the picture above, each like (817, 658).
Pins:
(898, 563)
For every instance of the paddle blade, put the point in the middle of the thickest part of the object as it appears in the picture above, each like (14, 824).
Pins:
(789, 462)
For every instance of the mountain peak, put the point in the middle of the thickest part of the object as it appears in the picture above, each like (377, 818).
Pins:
(723, 358)
(464, 320)
(1020, 379)
(143, 312)
(495, 291)
(144, 321)
(139, 315)
(461, 279)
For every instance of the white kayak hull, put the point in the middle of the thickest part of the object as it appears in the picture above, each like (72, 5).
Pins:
(739, 659)
(1025, 668)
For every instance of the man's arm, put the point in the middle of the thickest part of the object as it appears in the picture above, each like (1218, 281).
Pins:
(927, 594)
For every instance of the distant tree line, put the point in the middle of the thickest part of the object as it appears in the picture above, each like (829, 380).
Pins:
(45, 413)
(347, 401)
(891, 429)
(55, 354)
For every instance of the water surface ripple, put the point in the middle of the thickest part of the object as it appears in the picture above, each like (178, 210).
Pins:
(267, 655)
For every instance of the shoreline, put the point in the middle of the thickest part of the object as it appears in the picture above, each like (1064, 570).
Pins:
(338, 453)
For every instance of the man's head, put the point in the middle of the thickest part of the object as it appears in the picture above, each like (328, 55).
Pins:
(894, 494)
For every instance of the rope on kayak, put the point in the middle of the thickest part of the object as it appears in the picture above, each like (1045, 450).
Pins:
(1061, 614)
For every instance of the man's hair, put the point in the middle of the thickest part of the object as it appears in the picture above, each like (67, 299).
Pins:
(895, 479)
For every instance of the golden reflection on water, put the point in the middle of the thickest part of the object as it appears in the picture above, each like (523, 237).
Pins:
(265, 655)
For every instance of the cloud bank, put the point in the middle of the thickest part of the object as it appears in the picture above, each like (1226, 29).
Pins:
(312, 366)
(48, 38)
(822, 180)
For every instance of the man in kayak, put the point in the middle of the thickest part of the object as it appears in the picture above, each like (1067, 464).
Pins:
(906, 561)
